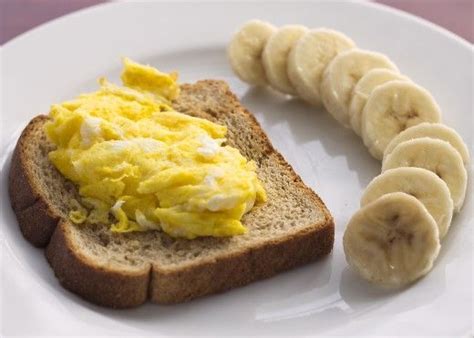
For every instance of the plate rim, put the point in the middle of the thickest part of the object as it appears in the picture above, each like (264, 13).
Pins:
(102, 6)
(12, 43)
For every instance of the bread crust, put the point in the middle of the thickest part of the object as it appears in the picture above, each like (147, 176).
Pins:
(41, 224)
(36, 217)
(101, 285)
(240, 269)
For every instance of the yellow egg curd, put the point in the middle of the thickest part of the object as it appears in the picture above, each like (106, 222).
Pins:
(139, 165)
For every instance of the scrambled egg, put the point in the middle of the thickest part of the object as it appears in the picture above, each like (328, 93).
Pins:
(141, 166)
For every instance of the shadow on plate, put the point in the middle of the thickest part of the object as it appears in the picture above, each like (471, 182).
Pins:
(307, 124)
(240, 304)
(362, 296)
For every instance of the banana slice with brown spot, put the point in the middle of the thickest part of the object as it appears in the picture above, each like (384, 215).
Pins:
(342, 74)
(434, 130)
(392, 241)
(392, 108)
(364, 88)
(437, 156)
(420, 183)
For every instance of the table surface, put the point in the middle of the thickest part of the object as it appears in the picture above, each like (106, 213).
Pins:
(18, 16)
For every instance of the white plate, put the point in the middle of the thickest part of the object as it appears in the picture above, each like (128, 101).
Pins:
(63, 58)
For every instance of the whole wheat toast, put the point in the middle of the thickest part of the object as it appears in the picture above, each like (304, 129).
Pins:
(124, 270)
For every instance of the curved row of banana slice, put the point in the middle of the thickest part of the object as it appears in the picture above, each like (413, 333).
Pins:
(361, 89)
(395, 237)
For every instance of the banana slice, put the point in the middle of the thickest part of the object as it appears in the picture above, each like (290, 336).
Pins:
(420, 183)
(390, 109)
(341, 75)
(435, 155)
(245, 51)
(364, 87)
(309, 57)
(434, 130)
(392, 241)
(275, 57)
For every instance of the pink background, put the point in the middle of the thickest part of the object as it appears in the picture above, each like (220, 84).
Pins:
(18, 16)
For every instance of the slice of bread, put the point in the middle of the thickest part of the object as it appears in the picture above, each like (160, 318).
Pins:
(124, 270)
